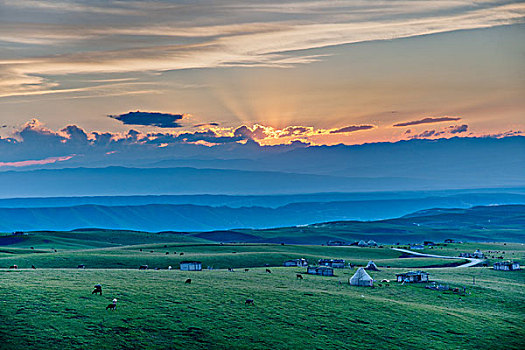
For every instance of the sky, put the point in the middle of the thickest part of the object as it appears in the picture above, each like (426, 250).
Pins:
(274, 72)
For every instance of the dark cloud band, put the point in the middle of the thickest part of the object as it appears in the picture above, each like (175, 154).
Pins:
(428, 120)
(351, 128)
(161, 120)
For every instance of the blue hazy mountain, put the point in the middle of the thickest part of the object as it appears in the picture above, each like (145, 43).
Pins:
(457, 163)
(189, 217)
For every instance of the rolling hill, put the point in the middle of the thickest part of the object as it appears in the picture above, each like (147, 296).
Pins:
(189, 217)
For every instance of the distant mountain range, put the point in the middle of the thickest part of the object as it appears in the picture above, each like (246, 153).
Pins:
(152, 217)
(457, 163)
(502, 223)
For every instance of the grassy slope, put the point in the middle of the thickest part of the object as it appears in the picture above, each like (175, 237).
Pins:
(216, 255)
(48, 308)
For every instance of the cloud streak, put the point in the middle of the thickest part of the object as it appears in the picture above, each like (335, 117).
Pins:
(428, 120)
(244, 39)
(351, 128)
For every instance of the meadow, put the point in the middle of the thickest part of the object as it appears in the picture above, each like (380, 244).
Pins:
(52, 306)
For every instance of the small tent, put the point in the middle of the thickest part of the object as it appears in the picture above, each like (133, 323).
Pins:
(361, 278)
(371, 266)
(372, 243)
(362, 243)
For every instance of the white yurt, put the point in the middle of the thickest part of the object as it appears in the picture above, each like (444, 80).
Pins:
(362, 243)
(371, 266)
(361, 278)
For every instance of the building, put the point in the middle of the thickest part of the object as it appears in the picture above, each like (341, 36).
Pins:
(361, 279)
(371, 243)
(320, 270)
(362, 243)
(371, 266)
(19, 233)
(335, 263)
(477, 255)
(448, 240)
(295, 262)
(417, 247)
(336, 243)
(507, 266)
(413, 277)
(191, 266)
(429, 243)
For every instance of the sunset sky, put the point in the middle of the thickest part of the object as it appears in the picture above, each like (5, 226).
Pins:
(323, 72)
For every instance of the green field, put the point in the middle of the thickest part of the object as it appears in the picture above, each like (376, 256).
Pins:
(52, 306)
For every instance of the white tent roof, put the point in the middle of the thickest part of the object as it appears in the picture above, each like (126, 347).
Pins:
(371, 263)
(361, 278)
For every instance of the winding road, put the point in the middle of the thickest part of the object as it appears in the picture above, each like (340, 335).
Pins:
(472, 261)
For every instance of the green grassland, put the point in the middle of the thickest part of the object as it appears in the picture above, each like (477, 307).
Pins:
(53, 308)
(508, 251)
(219, 256)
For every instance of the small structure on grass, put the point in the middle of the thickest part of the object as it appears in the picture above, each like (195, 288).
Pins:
(361, 279)
(413, 277)
(336, 243)
(191, 266)
(477, 254)
(296, 262)
(417, 247)
(362, 243)
(371, 243)
(371, 266)
(507, 266)
(320, 270)
(335, 263)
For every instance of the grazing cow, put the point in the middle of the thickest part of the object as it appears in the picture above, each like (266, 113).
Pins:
(246, 270)
(268, 270)
(33, 267)
(230, 269)
(140, 249)
(379, 285)
(13, 267)
(97, 290)
(249, 302)
(113, 305)
(299, 276)
(143, 267)
(181, 254)
(188, 281)
(169, 267)
(81, 266)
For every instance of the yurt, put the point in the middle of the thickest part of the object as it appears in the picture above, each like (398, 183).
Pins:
(362, 243)
(371, 266)
(361, 279)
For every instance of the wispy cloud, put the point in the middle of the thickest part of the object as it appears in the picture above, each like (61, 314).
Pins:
(351, 128)
(183, 39)
(428, 120)
(25, 163)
